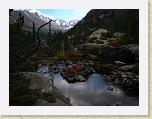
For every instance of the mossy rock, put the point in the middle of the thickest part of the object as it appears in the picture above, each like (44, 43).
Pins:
(19, 93)
(49, 97)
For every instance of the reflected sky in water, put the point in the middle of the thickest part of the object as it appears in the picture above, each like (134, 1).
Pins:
(92, 92)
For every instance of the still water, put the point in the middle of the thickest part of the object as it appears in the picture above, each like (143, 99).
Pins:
(92, 92)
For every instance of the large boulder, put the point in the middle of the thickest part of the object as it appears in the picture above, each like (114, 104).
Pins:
(46, 86)
(38, 81)
(107, 50)
(133, 48)
(111, 51)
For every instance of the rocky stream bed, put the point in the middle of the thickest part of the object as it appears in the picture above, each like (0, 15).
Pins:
(119, 74)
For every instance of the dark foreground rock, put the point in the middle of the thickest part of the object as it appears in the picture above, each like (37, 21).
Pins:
(45, 85)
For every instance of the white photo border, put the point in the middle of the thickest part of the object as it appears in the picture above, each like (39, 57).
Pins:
(142, 109)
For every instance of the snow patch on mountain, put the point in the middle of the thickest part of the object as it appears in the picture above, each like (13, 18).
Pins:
(61, 23)
(73, 22)
(41, 15)
(40, 18)
(66, 25)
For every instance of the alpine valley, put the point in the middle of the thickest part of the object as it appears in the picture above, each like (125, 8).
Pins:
(39, 19)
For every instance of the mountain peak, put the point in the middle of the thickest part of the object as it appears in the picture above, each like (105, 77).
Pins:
(41, 15)
(66, 25)
(59, 22)
(39, 18)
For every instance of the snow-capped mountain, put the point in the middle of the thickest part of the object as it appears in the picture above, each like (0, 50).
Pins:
(39, 19)
(73, 22)
(41, 16)
(63, 24)
(66, 25)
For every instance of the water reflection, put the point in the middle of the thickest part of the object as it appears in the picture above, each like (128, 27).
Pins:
(92, 92)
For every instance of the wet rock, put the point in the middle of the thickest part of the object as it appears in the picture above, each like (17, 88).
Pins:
(91, 63)
(129, 73)
(39, 65)
(81, 78)
(118, 63)
(91, 70)
(65, 77)
(116, 81)
(113, 72)
(85, 74)
(134, 79)
(76, 78)
(123, 75)
(113, 77)
(110, 88)
(126, 68)
(125, 80)
(137, 76)
(70, 80)
(55, 71)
